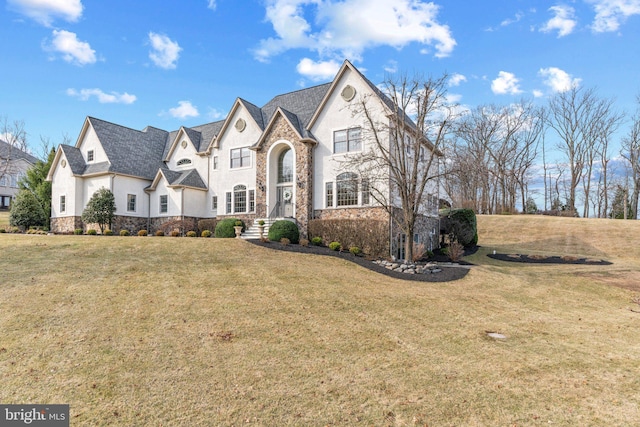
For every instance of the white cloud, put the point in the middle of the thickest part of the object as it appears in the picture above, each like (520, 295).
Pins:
(103, 98)
(215, 114)
(391, 67)
(45, 11)
(347, 28)
(538, 93)
(558, 80)
(506, 83)
(563, 21)
(211, 4)
(610, 14)
(456, 79)
(73, 50)
(165, 52)
(184, 110)
(317, 71)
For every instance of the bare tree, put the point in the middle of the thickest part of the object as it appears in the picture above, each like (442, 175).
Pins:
(401, 164)
(631, 153)
(13, 138)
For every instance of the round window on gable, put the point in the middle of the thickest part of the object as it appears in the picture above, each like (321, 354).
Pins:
(348, 93)
(63, 163)
(240, 125)
(184, 144)
(183, 162)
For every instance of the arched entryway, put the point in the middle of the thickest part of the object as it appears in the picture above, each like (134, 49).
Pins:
(281, 181)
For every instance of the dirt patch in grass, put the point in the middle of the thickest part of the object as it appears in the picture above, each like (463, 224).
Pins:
(622, 279)
(448, 273)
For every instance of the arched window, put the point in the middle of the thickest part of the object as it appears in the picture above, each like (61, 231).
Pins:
(347, 189)
(182, 162)
(285, 166)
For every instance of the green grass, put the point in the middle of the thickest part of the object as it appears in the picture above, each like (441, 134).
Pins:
(176, 331)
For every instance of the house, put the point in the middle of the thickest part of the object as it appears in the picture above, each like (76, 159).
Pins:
(280, 160)
(14, 164)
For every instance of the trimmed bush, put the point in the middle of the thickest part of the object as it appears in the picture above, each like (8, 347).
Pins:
(92, 232)
(316, 241)
(191, 233)
(224, 228)
(206, 233)
(355, 250)
(462, 224)
(159, 233)
(125, 233)
(284, 241)
(174, 233)
(335, 246)
(304, 242)
(2, 230)
(108, 232)
(284, 228)
(77, 231)
(143, 233)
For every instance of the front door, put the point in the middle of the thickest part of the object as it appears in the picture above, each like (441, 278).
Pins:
(285, 201)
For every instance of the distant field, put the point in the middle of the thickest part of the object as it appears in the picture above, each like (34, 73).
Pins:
(186, 332)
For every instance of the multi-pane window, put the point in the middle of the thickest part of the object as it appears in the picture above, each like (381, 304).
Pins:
(228, 203)
(347, 189)
(240, 198)
(215, 162)
(365, 191)
(214, 203)
(63, 203)
(164, 203)
(252, 200)
(183, 162)
(240, 158)
(347, 140)
(131, 202)
(329, 194)
(90, 156)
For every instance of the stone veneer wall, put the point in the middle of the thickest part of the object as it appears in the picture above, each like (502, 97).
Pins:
(424, 226)
(281, 130)
(65, 224)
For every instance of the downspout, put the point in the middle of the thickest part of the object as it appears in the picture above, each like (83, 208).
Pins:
(182, 212)
(113, 179)
(148, 211)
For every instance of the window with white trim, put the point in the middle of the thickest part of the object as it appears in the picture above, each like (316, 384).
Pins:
(228, 211)
(183, 162)
(215, 163)
(329, 194)
(131, 202)
(63, 203)
(240, 158)
(347, 140)
(252, 200)
(214, 203)
(347, 189)
(239, 198)
(90, 156)
(164, 203)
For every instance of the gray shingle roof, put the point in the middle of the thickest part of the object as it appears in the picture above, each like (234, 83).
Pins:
(7, 151)
(189, 178)
(74, 158)
(131, 152)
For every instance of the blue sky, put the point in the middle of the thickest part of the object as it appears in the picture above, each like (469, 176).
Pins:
(168, 64)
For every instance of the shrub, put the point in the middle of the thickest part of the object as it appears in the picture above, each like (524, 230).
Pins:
(462, 224)
(100, 209)
(225, 228)
(26, 210)
(77, 231)
(159, 233)
(355, 250)
(92, 232)
(284, 241)
(207, 224)
(317, 241)
(304, 242)
(335, 246)
(372, 236)
(191, 233)
(125, 233)
(206, 233)
(284, 228)
(456, 250)
(174, 233)
(108, 232)
(430, 254)
(2, 230)
(261, 222)
(143, 233)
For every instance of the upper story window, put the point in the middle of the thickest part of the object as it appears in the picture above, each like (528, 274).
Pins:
(240, 158)
(90, 156)
(215, 162)
(347, 140)
(183, 162)
(285, 166)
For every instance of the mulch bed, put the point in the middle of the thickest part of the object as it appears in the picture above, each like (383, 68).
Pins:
(447, 274)
(537, 259)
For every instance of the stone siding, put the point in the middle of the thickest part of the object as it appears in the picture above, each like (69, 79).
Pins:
(65, 224)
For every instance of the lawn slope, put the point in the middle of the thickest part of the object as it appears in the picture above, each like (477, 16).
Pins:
(179, 331)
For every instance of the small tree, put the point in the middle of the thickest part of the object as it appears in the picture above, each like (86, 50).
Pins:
(100, 209)
(26, 211)
(36, 182)
(530, 207)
